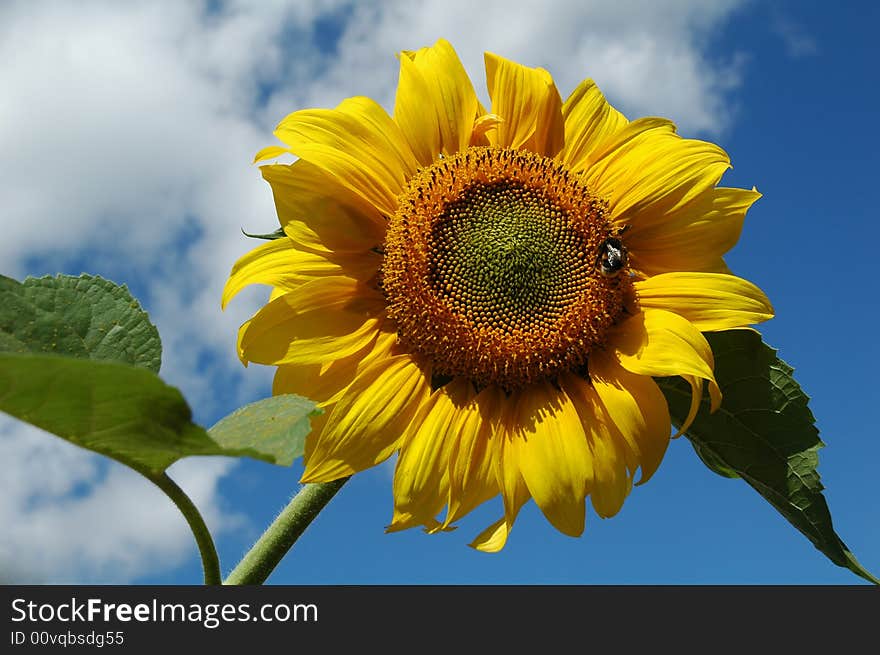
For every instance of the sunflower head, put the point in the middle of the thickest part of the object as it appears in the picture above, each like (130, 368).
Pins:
(493, 268)
(490, 292)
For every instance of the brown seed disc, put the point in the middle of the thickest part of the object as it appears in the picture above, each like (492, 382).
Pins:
(491, 271)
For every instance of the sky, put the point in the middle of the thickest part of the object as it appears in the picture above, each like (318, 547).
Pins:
(128, 131)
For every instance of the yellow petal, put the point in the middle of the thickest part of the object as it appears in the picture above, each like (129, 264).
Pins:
(277, 292)
(321, 214)
(647, 172)
(496, 413)
(710, 301)
(657, 342)
(238, 349)
(696, 396)
(589, 120)
(320, 383)
(637, 407)
(271, 152)
(327, 381)
(281, 264)
(471, 470)
(421, 477)
(693, 239)
(493, 538)
(552, 454)
(367, 423)
(623, 138)
(482, 126)
(306, 380)
(329, 318)
(436, 104)
(514, 493)
(611, 481)
(660, 343)
(358, 144)
(414, 112)
(529, 104)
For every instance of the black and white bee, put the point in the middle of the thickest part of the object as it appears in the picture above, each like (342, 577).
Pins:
(612, 257)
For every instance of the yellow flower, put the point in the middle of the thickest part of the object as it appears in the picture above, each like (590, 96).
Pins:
(488, 292)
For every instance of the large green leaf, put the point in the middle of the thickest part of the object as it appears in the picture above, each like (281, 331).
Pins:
(764, 433)
(85, 316)
(124, 412)
(276, 425)
(78, 358)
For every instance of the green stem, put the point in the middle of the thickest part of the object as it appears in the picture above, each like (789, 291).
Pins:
(270, 548)
(210, 561)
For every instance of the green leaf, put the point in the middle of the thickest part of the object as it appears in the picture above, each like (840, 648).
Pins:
(114, 409)
(85, 316)
(711, 460)
(276, 425)
(764, 433)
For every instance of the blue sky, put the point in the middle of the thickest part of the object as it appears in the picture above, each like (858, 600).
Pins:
(134, 127)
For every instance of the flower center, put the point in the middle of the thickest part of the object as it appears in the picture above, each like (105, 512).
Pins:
(496, 267)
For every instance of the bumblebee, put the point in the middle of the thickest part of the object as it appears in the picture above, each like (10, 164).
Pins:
(612, 257)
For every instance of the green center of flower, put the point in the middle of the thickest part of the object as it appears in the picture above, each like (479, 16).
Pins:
(494, 268)
(507, 258)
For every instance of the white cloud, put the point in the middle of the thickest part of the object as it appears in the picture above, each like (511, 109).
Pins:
(72, 518)
(130, 126)
(798, 42)
(649, 57)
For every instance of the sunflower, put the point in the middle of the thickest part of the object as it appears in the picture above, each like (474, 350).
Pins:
(488, 293)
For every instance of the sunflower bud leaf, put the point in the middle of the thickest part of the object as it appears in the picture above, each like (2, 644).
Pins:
(765, 434)
(85, 316)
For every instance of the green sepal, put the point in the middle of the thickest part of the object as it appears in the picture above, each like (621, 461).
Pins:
(269, 236)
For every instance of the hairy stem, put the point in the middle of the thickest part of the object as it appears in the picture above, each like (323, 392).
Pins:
(273, 545)
(210, 561)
